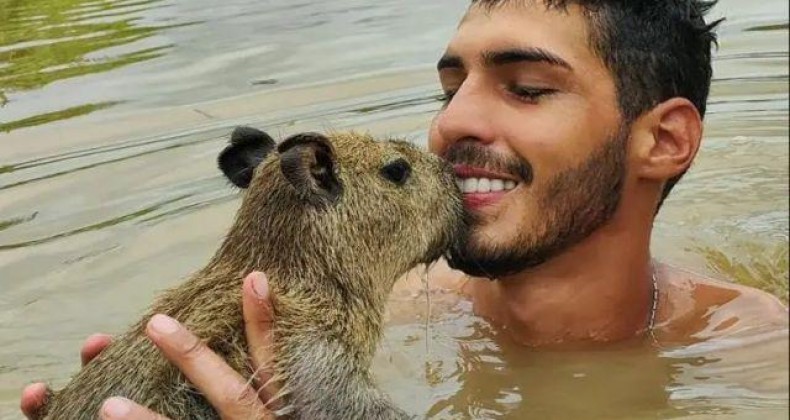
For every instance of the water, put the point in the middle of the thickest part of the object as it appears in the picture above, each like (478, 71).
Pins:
(113, 113)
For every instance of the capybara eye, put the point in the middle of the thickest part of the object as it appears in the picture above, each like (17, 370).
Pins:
(397, 172)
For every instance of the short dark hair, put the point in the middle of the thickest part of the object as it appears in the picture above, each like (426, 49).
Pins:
(655, 49)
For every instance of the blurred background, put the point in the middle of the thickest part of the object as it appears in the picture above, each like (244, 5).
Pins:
(112, 113)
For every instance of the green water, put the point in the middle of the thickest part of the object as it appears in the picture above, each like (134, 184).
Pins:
(46, 41)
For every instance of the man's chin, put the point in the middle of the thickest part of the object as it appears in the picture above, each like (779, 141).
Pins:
(492, 264)
(471, 268)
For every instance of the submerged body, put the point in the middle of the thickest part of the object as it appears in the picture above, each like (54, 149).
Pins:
(334, 222)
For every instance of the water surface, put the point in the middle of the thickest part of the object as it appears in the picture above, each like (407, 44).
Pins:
(113, 113)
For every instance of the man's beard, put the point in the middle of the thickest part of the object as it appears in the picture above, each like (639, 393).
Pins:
(574, 204)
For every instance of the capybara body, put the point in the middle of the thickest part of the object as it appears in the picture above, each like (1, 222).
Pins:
(333, 221)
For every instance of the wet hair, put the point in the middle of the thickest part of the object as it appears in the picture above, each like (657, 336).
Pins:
(655, 50)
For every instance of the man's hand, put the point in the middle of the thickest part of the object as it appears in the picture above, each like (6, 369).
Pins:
(34, 395)
(228, 392)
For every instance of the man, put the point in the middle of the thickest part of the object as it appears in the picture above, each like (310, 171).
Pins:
(568, 123)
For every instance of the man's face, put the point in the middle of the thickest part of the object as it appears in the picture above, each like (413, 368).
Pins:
(533, 129)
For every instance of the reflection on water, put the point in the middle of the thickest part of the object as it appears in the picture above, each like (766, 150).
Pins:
(101, 212)
(474, 371)
(757, 265)
(55, 116)
(43, 41)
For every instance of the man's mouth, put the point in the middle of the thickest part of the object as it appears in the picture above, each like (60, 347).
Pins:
(482, 187)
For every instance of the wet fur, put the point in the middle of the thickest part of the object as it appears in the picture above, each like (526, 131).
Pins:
(331, 266)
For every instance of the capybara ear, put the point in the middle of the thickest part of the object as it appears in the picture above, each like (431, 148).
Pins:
(248, 148)
(307, 161)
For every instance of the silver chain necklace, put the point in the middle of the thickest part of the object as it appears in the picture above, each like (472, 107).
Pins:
(654, 310)
(651, 323)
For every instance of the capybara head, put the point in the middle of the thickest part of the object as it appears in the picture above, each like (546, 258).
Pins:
(340, 194)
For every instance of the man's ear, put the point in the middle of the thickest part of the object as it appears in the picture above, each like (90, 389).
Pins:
(248, 148)
(666, 139)
(308, 162)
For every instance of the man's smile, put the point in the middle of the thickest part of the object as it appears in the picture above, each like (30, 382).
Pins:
(482, 187)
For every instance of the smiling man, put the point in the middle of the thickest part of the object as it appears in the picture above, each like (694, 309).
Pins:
(568, 123)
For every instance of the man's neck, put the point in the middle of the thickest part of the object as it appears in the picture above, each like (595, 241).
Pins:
(598, 291)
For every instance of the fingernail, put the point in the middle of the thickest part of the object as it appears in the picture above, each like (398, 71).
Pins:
(260, 284)
(164, 324)
(116, 408)
(36, 388)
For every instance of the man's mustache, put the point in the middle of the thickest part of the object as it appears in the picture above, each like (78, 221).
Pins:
(472, 154)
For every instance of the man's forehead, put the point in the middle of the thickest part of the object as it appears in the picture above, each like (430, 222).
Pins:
(526, 24)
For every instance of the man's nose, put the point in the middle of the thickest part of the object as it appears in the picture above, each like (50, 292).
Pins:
(468, 116)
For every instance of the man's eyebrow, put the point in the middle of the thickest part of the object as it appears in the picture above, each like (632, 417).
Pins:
(518, 55)
(449, 61)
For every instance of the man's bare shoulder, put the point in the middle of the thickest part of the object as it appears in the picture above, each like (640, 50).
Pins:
(695, 304)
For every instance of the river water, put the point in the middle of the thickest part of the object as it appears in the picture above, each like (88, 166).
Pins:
(113, 111)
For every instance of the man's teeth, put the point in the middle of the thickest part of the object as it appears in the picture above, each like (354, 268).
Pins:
(484, 185)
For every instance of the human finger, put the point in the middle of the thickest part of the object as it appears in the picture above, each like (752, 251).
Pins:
(34, 396)
(225, 389)
(94, 345)
(118, 408)
(258, 317)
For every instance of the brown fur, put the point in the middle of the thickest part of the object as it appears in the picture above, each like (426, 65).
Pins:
(330, 268)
